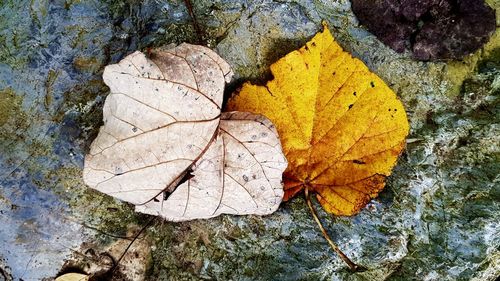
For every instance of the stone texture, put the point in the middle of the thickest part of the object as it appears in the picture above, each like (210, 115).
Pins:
(431, 29)
(436, 220)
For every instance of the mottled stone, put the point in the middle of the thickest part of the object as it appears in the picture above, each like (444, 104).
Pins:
(436, 220)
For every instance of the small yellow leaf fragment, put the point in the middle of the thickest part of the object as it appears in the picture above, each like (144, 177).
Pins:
(342, 128)
(73, 277)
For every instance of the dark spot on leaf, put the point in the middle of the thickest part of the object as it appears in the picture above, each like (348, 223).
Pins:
(187, 176)
(245, 178)
(156, 200)
(372, 84)
(354, 94)
(350, 106)
(359, 162)
(134, 129)
(166, 194)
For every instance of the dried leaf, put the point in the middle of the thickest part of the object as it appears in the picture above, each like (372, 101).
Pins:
(163, 120)
(240, 173)
(341, 127)
(72, 277)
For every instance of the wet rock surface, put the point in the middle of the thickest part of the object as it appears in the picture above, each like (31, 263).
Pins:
(436, 220)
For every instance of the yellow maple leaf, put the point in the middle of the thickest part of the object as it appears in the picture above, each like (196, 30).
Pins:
(342, 128)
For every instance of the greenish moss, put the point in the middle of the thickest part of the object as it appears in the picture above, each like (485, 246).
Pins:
(38, 148)
(13, 38)
(178, 33)
(87, 64)
(38, 10)
(106, 214)
(179, 250)
(79, 40)
(458, 71)
(68, 3)
(81, 94)
(83, 98)
(9, 104)
(13, 118)
(117, 8)
(95, 210)
(490, 62)
(51, 78)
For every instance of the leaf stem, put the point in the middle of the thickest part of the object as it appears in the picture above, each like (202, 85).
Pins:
(354, 267)
(199, 32)
(117, 263)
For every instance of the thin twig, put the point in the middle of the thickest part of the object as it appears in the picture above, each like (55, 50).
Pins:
(105, 233)
(352, 265)
(115, 266)
(199, 32)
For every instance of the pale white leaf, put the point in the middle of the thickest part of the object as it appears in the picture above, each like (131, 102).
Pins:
(162, 120)
(239, 174)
